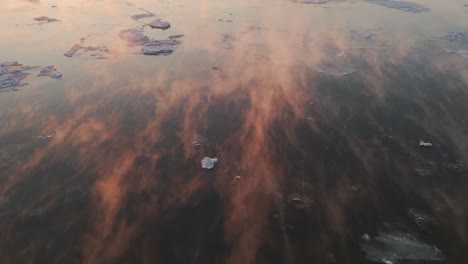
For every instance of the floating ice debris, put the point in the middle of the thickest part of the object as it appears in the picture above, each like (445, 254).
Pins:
(366, 237)
(425, 144)
(341, 54)
(45, 19)
(456, 37)
(457, 166)
(197, 140)
(422, 220)
(161, 24)
(141, 16)
(310, 1)
(208, 163)
(164, 42)
(299, 201)
(50, 71)
(462, 53)
(133, 36)
(392, 247)
(336, 70)
(400, 5)
(229, 40)
(229, 37)
(12, 67)
(176, 36)
(149, 47)
(97, 52)
(12, 80)
(363, 33)
(73, 50)
(11, 74)
(47, 136)
(157, 50)
(424, 172)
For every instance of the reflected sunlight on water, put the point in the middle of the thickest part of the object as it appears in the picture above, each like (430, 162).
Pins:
(314, 112)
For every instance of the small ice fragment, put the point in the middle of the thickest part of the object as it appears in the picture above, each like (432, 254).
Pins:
(47, 136)
(45, 19)
(425, 144)
(56, 74)
(161, 24)
(50, 71)
(157, 50)
(141, 16)
(340, 54)
(208, 163)
(197, 140)
(73, 50)
(299, 201)
(363, 33)
(366, 237)
(176, 36)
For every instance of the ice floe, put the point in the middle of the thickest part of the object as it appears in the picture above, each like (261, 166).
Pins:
(157, 50)
(12, 74)
(456, 37)
(148, 47)
(391, 247)
(160, 24)
(50, 71)
(401, 5)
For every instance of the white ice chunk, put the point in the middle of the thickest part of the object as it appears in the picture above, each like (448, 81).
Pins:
(425, 144)
(208, 163)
